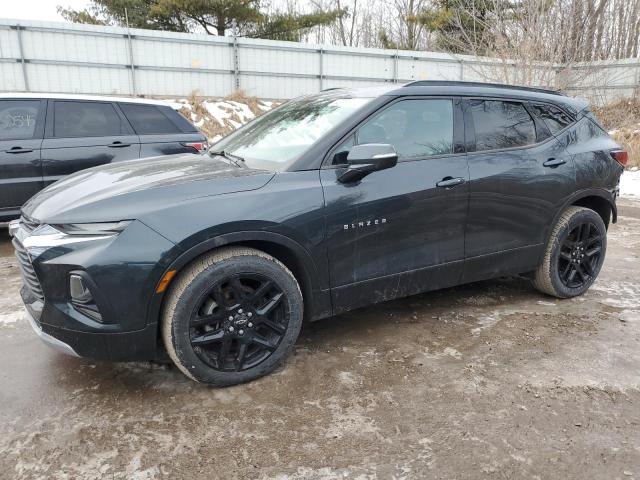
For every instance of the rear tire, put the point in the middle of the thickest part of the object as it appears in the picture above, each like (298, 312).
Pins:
(232, 316)
(574, 254)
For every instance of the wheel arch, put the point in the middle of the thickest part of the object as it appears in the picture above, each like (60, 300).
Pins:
(295, 257)
(597, 199)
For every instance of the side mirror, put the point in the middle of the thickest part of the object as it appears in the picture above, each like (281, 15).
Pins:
(368, 158)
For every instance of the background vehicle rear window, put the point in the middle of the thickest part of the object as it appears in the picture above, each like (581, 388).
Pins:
(553, 117)
(86, 119)
(18, 119)
(501, 124)
(149, 119)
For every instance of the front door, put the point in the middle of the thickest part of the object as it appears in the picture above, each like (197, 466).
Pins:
(399, 231)
(21, 127)
(84, 134)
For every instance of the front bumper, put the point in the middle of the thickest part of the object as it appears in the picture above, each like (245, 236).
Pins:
(123, 272)
(48, 339)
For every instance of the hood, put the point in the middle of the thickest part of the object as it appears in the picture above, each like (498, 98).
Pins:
(125, 190)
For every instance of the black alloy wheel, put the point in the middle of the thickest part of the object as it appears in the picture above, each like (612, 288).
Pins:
(580, 255)
(240, 322)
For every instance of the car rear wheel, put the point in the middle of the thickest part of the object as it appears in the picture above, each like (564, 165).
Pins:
(574, 254)
(232, 316)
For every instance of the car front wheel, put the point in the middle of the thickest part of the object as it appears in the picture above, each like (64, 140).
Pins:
(232, 316)
(574, 254)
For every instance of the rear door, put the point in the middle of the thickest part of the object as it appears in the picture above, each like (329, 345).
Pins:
(21, 129)
(82, 134)
(162, 130)
(518, 175)
(397, 232)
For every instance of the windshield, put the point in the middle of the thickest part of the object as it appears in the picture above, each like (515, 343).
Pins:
(275, 140)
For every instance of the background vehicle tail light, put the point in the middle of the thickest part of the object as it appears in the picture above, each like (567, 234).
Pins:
(197, 146)
(621, 157)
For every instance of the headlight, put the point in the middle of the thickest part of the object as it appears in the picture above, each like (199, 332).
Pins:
(105, 229)
(49, 236)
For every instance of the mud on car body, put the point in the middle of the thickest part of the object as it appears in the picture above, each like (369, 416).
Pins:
(328, 203)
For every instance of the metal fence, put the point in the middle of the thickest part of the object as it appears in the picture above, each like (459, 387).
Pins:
(73, 58)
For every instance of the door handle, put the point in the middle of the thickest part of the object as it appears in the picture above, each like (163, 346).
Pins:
(118, 144)
(450, 182)
(554, 162)
(19, 150)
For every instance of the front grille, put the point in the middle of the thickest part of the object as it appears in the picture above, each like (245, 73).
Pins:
(28, 273)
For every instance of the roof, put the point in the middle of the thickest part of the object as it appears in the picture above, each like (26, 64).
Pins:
(71, 96)
(468, 89)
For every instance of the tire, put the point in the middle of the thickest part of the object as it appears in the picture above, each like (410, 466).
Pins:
(234, 301)
(574, 254)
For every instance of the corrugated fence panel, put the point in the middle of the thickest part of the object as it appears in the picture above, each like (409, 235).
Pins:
(354, 65)
(9, 47)
(75, 79)
(266, 60)
(74, 47)
(11, 78)
(66, 57)
(150, 52)
(182, 83)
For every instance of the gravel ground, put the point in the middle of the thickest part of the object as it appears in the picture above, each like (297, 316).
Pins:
(490, 380)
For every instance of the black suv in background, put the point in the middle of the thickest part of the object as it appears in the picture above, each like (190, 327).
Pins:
(46, 137)
(325, 204)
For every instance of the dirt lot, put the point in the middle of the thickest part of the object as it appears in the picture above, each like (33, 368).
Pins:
(490, 380)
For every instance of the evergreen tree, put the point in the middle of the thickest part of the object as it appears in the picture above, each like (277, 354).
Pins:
(216, 17)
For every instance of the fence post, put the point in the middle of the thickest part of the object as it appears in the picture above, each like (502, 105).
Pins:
(395, 67)
(461, 70)
(131, 62)
(23, 60)
(236, 62)
(321, 68)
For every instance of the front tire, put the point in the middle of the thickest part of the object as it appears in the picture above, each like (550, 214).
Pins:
(232, 316)
(574, 254)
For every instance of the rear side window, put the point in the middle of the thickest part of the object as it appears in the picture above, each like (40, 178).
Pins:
(150, 119)
(86, 119)
(555, 118)
(500, 124)
(18, 119)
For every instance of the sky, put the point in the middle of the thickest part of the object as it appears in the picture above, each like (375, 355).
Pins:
(37, 9)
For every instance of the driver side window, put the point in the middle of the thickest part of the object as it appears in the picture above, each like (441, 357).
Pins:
(417, 129)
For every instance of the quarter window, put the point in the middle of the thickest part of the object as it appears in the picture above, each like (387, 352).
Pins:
(86, 119)
(500, 124)
(553, 117)
(18, 119)
(148, 119)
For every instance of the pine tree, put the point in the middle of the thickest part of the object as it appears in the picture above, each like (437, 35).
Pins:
(215, 17)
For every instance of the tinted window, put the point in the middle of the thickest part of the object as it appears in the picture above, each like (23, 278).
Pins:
(553, 117)
(501, 125)
(416, 128)
(148, 119)
(86, 119)
(340, 154)
(18, 119)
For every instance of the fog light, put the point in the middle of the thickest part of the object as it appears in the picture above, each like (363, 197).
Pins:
(79, 291)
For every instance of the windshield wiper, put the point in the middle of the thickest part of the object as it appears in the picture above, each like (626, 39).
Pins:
(235, 159)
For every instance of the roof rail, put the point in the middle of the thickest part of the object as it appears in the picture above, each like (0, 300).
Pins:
(453, 83)
(332, 88)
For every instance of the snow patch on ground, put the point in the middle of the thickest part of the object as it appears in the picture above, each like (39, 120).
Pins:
(219, 117)
(630, 183)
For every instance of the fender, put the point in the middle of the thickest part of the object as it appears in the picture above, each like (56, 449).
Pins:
(318, 301)
(576, 196)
